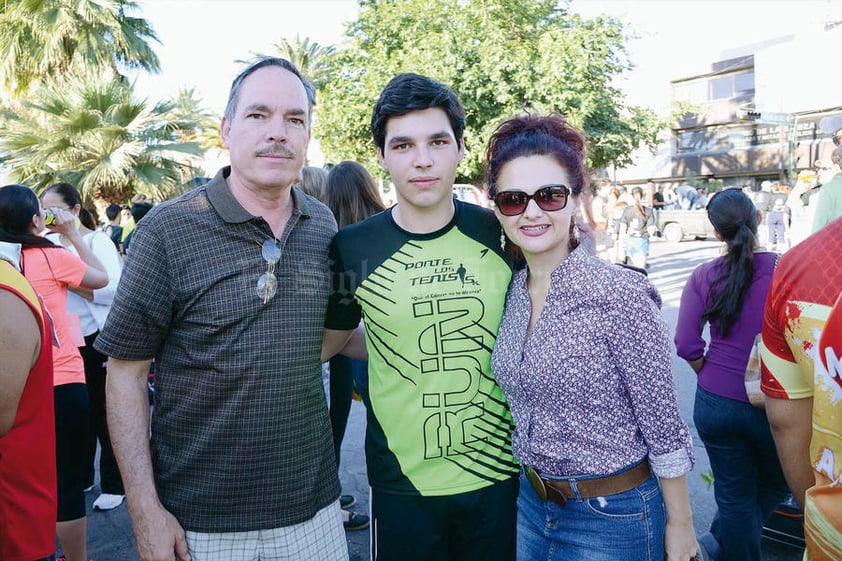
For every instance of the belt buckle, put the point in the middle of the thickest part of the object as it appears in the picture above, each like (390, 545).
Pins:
(536, 482)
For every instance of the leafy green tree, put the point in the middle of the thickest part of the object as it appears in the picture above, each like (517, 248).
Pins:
(502, 57)
(50, 38)
(89, 131)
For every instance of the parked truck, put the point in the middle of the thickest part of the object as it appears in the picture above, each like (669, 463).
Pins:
(676, 225)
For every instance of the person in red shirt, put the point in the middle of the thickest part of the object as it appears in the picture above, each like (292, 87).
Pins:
(27, 430)
(802, 380)
(51, 270)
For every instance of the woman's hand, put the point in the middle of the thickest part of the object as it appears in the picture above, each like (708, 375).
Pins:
(680, 537)
(680, 541)
(65, 223)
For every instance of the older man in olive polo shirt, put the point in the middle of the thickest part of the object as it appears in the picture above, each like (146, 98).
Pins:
(226, 289)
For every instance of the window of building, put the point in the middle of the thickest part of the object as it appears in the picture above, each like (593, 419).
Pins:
(717, 139)
(721, 88)
(694, 92)
(732, 85)
(690, 141)
(744, 83)
(715, 88)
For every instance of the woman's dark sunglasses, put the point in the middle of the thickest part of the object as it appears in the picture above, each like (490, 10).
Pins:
(549, 198)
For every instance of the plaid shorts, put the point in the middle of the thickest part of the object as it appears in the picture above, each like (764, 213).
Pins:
(322, 538)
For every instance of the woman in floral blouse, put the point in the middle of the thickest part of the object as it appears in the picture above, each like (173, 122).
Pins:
(583, 356)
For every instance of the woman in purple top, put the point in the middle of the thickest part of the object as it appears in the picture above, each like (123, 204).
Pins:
(583, 356)
(729, 293)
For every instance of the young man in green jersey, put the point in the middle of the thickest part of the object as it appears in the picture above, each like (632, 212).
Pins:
(429, 277)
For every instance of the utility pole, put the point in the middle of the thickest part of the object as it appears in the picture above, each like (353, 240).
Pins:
(793, 143)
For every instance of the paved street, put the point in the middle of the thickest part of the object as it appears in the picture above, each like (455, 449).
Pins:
(110, 535)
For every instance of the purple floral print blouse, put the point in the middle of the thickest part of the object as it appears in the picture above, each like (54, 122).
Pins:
(591, 387)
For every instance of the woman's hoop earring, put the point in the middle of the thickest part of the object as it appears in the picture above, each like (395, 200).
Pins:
(573, 237)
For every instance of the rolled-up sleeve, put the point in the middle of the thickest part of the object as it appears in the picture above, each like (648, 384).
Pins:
(644, 360)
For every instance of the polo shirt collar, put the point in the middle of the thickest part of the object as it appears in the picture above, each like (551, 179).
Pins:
(230, 210)
(10, 252)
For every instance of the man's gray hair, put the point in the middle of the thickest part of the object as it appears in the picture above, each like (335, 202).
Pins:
(836, 156)
(261, 62)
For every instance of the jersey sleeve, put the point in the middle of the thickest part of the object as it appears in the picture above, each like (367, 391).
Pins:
(781, 374)
(343, 310)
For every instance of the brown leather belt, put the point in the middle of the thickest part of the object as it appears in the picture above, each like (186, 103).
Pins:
(559, 491)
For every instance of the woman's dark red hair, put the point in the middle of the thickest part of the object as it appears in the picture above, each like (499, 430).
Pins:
(537, 135)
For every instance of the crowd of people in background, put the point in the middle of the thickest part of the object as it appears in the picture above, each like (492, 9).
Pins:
(788, 213)
(479, 323)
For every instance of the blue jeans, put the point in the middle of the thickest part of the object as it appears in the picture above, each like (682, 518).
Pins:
(628, 525)
(748, 480)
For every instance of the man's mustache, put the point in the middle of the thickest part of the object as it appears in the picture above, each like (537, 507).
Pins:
(276, 150)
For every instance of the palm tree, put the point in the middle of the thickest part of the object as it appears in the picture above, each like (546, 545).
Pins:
(203, 124)
(50, 38)
(89, 131)
(308, 57)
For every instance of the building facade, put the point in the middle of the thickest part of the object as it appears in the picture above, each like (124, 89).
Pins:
(755, 115)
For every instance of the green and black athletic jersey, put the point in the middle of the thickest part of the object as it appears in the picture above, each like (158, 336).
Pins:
(438, 424)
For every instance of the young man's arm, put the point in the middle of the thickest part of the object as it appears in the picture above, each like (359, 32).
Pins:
(792, 427)
(20, 345)
(355, 347)
(157, 533)
(350, 343)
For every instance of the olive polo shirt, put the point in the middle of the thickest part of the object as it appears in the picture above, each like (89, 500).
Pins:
(241, 438)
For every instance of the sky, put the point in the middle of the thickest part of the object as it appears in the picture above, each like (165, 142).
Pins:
(202, 39)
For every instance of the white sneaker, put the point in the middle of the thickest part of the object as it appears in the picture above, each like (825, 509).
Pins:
(108, 502)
